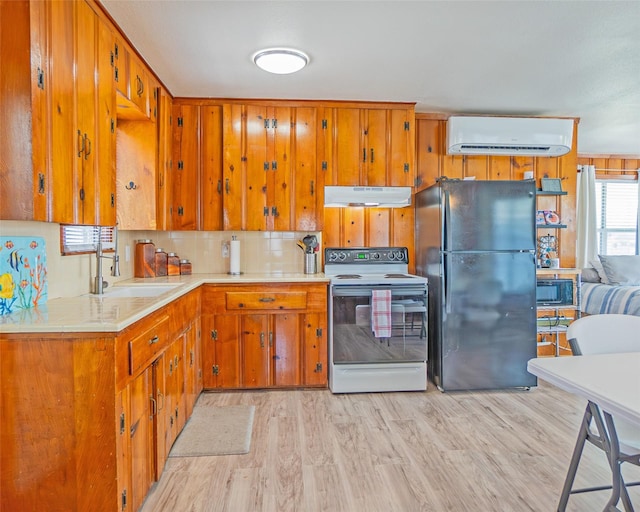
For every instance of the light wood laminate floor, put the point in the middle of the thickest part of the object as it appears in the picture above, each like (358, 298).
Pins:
(429, 451)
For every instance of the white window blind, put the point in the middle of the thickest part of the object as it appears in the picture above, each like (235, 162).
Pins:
(617, 213)
(82, 239)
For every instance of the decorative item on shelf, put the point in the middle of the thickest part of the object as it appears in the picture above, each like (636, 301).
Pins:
(540, 219)
(547, 249)
(551, 217)
(551, 185)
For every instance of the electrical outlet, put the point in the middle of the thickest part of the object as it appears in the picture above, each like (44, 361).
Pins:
(225, 249)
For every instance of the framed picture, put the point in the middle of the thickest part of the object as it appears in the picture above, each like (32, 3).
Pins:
(551, 184)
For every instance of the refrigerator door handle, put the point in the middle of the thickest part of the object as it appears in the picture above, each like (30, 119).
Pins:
(446, 284)
(445, 223)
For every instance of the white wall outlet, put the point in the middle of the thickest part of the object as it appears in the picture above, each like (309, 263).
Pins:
(225, 249)
(127, 252)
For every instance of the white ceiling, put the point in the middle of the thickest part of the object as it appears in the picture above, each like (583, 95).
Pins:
(543, 58)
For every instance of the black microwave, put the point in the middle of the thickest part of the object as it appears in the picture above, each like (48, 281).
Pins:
(554, 292)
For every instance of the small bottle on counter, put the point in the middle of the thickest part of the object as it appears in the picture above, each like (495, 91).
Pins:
(185, 267)
(144, 262)
(161, 262)
(173, 264)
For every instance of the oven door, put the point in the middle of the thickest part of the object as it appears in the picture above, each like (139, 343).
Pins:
(352, 340)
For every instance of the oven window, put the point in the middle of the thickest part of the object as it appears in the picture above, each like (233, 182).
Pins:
(353, 340)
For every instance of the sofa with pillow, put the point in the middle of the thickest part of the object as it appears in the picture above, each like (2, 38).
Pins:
(611, 285)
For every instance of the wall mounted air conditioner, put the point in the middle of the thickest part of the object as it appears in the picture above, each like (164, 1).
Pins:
(518, 136)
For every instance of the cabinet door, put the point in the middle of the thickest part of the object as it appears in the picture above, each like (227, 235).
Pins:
(186, 204)
(105, 129)
(64, 142)
(165, 170)
(191, 368)
(121, 67)
(279, 177)
(374, 147)
(141, 433)
(307, 205)
(123, 447)
(138, 84)
(161, 431)
(401, 156)
(314, 349)
(86, 52)
(255, 350)
(221, 351)
(429, 148)
(348, 152)
(233, 167)
(211, 182)
(285, 349)
(258, 165)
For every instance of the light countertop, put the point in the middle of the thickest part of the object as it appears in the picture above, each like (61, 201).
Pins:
(102, 313)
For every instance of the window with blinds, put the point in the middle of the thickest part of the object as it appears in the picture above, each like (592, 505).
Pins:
(617, 216)
(83, 239)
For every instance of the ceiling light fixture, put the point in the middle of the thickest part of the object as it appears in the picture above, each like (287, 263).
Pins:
(281, 61)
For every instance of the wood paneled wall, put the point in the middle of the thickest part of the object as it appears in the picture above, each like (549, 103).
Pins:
(433, 162)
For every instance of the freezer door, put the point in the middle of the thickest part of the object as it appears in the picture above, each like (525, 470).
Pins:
(489, 215)
(488, 330)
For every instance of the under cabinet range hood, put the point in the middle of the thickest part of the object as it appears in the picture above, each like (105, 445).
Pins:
(381, 197)
(516, 136)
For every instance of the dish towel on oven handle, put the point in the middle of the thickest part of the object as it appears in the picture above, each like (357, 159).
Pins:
(381, 313)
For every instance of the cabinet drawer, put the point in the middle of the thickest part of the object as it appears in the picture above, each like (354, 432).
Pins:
(145, 346)
(266, 300)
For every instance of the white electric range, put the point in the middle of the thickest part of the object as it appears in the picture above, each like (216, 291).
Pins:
(360, 361)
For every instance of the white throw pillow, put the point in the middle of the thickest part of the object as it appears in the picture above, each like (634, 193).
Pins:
(600, 270)
(622, 270)
(590, 275)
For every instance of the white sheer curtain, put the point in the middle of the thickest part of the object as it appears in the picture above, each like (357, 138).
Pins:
(587, 234)
(638, 220)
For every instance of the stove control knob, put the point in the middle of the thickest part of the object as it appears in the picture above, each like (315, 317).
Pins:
(392, 255)
(399, 256)
(342, 256)
(376, 256)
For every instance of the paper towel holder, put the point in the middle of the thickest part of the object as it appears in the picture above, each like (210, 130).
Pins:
(233, 272)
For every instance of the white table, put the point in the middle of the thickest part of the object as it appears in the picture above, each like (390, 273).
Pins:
(611, 385)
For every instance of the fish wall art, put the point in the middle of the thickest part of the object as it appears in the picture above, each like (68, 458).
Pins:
(23, 273)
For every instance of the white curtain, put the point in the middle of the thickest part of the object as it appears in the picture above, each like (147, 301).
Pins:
(638, 220)
(587, 235)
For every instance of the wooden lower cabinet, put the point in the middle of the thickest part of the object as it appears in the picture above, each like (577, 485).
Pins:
(264, 336)
(88, 419)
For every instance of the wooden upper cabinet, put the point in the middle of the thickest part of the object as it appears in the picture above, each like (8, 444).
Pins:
(269, 168)
(63, 170)
(133, 83)
(186, 161)
(429, 151)
(211, 162)
(165, 160)
(373, 147)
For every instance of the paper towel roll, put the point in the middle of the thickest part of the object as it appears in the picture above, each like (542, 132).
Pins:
(234, 257)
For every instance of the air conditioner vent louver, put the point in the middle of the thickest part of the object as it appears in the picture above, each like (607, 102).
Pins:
(518, 136)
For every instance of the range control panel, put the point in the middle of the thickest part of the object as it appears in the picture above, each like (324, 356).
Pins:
(365, 255)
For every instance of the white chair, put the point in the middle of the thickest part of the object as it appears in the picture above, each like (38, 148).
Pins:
(601, 334)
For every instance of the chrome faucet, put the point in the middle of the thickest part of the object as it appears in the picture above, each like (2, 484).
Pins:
(99, 284)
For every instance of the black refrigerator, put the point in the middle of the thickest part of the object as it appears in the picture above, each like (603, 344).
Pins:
(475, 242)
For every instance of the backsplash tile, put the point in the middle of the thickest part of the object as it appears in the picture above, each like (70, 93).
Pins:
(261, 251)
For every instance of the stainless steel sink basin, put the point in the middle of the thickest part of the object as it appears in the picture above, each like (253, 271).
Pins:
(152, 290)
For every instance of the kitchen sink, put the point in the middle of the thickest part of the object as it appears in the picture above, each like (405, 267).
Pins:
(152, 290)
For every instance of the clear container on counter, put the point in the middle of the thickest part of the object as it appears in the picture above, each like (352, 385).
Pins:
(185, 267)
(161, 262)
(173, 264)
(144, 260)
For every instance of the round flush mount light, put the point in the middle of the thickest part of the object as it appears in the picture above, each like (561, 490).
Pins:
(281, 61)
